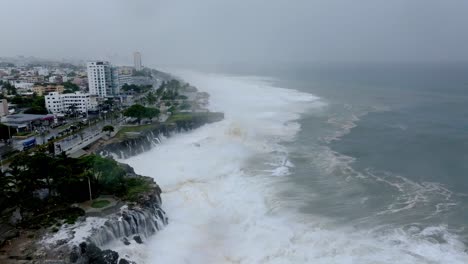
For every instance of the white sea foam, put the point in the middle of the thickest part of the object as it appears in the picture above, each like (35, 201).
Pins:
(223, 203)
(75, 233)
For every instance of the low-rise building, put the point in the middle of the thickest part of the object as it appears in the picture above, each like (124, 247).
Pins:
(62, 103)
(24, 122)
(135, 80)
(46, 89)
(22, 85)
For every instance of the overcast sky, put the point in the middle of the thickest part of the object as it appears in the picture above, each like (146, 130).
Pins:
(237, 31)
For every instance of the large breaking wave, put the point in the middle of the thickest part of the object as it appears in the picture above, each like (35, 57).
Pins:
(222, 182)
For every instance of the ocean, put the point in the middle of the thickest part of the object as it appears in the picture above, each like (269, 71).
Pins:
(329, 164)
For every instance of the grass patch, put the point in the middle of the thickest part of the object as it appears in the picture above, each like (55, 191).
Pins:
(100, 203)
(24, 134)
(178, 117)
(126, 129)
(135, 186)
(197, 116)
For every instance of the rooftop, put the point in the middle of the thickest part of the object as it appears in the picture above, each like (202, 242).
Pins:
(24, 118)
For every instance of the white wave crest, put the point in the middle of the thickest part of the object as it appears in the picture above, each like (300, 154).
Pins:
(221, 187)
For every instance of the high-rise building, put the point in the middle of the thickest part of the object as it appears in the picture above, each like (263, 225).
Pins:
(137, 61)
(100, 79)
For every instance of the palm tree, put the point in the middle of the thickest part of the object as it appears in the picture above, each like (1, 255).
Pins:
(6, 184)
(72, 108)
(150, 98)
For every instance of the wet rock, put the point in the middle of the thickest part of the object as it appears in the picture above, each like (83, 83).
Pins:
(7, 232)
(128, 169)
(125, 241)
(62, 242)
(124, 261)
(138, 239)
(74, 256)
(94, 254)
(91, 254)
(109, 256)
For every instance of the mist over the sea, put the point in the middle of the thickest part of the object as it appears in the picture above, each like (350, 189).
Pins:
(219, 33)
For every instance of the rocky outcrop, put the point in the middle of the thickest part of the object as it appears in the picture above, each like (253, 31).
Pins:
(7, 232)
(134, 223)
(90, 253)
(139, 219)
(147, 139)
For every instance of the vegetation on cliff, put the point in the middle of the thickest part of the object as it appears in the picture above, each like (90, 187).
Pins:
(139, 112)
(42, 187)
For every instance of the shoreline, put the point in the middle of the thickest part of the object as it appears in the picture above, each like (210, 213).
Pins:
(76, 252)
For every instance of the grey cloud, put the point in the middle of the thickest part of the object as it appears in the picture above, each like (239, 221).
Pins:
(224, 32)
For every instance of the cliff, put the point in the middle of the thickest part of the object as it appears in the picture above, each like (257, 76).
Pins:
(138, 219)
(147, 137)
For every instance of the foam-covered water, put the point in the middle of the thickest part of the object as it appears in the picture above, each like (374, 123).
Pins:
(230, 197)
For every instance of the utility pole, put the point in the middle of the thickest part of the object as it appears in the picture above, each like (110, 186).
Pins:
(89, 187)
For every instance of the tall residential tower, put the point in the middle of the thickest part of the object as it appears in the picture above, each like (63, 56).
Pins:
(137, 60)
(100, 78)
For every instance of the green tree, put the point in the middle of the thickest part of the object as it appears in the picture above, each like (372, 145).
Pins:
(70, 87)
(40, 165)
(6, 185)
(136, 111)
(36, 104)
(72, 110)
(151, 113)
(107, 173)
(25, 182)
(70, 178)
(151, 98)
(109, 102)
(172, 109)
(11, 89)
(185, 105)
(136, 88)
(109, 129)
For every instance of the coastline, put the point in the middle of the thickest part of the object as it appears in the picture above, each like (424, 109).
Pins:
(125, 221)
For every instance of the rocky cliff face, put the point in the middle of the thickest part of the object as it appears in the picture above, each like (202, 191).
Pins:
(135, 221)
(145, 140)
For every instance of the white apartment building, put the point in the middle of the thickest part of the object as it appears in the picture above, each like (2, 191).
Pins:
(61, 103)
(100, 78)
(137, 61)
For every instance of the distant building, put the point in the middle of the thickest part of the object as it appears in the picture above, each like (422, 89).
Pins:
(40, 90)
(100, 79)
(136, 80)
(4, 107)
(125, 70)
(22, 85)
(61, 103)
(137, 61)
(56, 79)
(42, 71)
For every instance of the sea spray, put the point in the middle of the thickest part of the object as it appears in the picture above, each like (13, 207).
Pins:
(229, 203)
